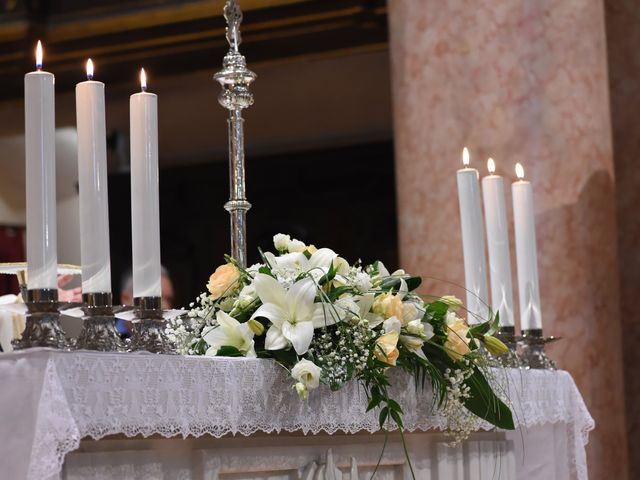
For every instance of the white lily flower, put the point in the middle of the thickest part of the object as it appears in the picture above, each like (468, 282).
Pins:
(345, 308)
(231, 333)
(290, 312)
(324, 257)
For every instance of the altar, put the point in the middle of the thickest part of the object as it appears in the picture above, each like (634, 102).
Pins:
(103, 415)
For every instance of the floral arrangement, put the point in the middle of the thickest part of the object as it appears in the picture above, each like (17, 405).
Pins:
(328, 322)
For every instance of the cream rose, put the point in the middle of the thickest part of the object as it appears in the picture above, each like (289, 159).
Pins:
(221, 282)
(457, 344)
(307, 373)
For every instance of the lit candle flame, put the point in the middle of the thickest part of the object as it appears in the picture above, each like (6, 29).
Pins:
(143, 80)
(491, 165)
(90, 69)
(519, 171)
(465, 156)
(39, 55)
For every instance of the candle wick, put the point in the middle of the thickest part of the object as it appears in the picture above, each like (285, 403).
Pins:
(144, 88)
(89, 77)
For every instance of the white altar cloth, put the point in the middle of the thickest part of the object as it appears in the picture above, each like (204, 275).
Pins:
(50, 400)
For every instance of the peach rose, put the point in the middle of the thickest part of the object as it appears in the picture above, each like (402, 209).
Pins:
(388, 305)
(221, 282)
(386, 349)
(457, 344)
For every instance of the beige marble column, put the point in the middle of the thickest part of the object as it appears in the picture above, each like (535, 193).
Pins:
(623, 38)
(521, 82)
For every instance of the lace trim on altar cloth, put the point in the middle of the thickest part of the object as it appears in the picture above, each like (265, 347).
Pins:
(89, 394)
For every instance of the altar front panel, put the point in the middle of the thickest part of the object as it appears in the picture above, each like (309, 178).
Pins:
(294, 457)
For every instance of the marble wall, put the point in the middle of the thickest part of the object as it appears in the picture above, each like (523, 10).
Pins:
(527, 82)
(623, 38)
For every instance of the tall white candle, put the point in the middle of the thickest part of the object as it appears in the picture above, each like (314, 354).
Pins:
(526, 252)
(92, 176)
(145, 210)
(472, 242)
(495, 214)
(39, 114)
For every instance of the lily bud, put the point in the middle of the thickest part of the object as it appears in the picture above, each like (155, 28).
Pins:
(452, 301)
(256, 327)
(301, 390)
(495, 346)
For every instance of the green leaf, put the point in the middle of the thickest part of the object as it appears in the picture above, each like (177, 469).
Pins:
(228, 351)
(394, 406)
(266, 270)
(384, 413)
(373, 403)
(335, 293)
(413, 283)
(437, 309)
(397, 418)
(485, 404)
(330, 275)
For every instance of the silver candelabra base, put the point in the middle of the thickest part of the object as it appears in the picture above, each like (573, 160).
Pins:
(532, 354)
(42, 327)
(99, 325)
(148, 332)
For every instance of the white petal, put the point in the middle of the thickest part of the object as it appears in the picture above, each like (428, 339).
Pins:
(322, 258)
(323, 316)
(428, 331)
(269, 290)
(392, 324)
(365, 303)
(403, 290)
(274, 339)
(216, 337)
(295, 260)
(299, 334)
(300, 300)
(227, 322)
(373, 319)
(271, 312)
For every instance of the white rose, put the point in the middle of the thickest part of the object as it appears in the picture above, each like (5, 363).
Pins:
(416, 327)
(296, 246)
(281, 242)
(307, 373)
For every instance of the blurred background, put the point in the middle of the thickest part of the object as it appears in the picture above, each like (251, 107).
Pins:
(362, 109)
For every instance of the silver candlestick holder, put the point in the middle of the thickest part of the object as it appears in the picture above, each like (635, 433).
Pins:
(507, 335)
(235, 78)
(532, 354)
(99, 325)
(149, 327)
(42, 327)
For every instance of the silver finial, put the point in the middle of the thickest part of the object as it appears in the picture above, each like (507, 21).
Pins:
(233, 16)
(235, 78)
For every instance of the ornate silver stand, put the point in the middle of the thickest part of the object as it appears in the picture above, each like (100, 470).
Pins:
(99, 326)
(149, 327)
(508, 336)
(235, 79)
(533, 354)
(43, 321)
